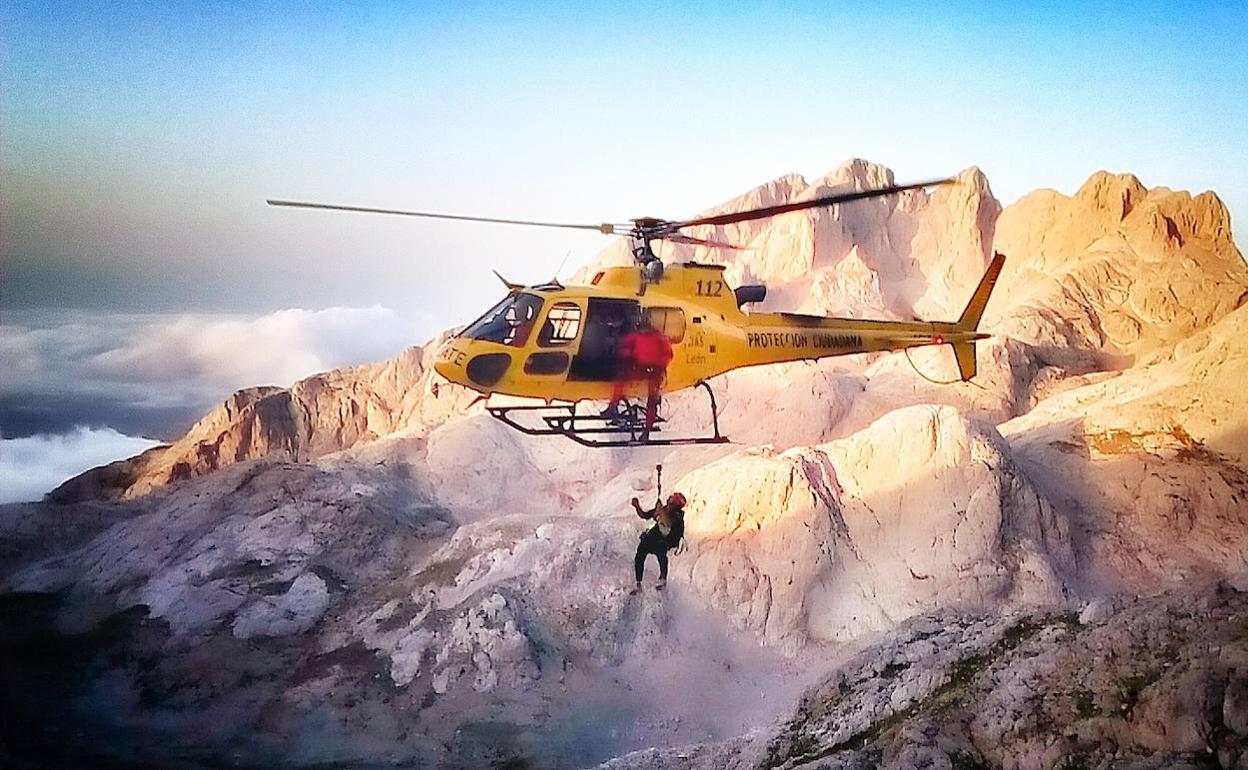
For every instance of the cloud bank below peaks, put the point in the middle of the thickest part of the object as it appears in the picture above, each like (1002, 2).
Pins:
(32, 466)
(187, 361)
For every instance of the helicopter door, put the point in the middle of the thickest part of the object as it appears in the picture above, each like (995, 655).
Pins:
(606, 323)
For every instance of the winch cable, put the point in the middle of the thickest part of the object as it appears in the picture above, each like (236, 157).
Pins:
(940, 382)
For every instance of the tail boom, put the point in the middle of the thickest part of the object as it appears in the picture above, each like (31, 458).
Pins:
(778, 337)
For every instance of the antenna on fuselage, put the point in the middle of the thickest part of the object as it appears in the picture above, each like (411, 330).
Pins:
(559, 269)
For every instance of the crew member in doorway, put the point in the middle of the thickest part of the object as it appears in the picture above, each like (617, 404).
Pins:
(666, 534)
(643, 358)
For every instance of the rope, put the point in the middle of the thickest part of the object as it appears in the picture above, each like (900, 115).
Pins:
(939, 382)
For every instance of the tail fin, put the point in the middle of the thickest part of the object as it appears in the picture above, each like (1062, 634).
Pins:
(965, 353)
(964, 350)
(975, 308)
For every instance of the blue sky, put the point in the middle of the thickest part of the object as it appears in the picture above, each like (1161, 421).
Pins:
(139, 140)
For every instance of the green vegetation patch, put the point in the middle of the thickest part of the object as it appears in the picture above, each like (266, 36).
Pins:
(803, 746)
(1130, 686)
(1084, 703)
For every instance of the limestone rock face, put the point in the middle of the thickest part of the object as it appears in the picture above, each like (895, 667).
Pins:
(842, 539)
(264, 539)
(1153, 686)
(922, 252)
(851, 289)
(1117, 268)
(1152, 462)
(762, 530)
(294, 612)
(952, 243)
(460, 616)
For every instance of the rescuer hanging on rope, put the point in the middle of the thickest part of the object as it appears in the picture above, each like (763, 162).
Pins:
(666, 534)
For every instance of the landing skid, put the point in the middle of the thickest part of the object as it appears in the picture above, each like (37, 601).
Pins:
(596, 430)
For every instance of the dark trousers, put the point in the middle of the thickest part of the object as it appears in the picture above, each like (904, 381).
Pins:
(650, 545)
(653, 378)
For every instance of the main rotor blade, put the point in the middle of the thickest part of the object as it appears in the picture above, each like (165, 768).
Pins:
(604, 228)
(689, 239)
(784, 208)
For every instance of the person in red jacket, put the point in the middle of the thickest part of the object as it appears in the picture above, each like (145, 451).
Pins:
(643, 357)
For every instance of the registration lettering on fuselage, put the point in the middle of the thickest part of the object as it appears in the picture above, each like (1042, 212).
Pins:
(451, 355)
(802, 340)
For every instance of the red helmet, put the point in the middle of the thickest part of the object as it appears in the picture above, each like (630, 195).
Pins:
(676, 499)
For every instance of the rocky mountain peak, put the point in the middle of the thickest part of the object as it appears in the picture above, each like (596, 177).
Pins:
(857, 174)
(782, 189)
(973, 183)
(1211, 216)
(1115, 194)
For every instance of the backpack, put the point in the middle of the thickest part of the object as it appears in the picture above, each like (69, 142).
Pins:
(678, 530)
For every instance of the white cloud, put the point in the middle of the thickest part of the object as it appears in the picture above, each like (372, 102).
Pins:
(193, 358)
(65, 368)
(232, 352)
(32, 466)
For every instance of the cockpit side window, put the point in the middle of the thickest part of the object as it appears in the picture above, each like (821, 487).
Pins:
(563, 323)
(669, 320)
(510, 322)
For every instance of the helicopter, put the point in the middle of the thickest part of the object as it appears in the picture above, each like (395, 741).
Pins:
(559, 344)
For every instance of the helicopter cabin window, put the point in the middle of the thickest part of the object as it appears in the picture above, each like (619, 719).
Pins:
(669, 320)
(510, 322)
(562, 325)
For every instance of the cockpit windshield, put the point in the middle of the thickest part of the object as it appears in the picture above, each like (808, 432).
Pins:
(509, 322)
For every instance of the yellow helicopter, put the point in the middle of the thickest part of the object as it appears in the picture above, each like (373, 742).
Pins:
(560, 343)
